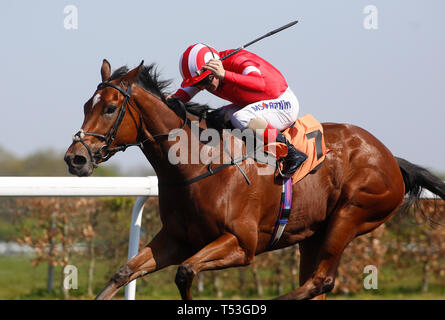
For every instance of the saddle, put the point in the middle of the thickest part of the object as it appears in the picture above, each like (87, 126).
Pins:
(306, 134)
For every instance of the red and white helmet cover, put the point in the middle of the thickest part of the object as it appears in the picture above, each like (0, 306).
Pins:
(192, 60)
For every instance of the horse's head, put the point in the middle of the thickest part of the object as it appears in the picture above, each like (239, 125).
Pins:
(111, 123)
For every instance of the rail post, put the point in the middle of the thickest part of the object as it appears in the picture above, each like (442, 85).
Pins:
(133, 243)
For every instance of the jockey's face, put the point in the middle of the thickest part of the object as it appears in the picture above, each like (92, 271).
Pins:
(211, 83)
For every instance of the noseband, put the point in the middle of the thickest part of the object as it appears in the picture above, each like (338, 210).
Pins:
(111, 135)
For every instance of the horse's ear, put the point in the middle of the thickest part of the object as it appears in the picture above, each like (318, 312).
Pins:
(105, 70)
(132, 75)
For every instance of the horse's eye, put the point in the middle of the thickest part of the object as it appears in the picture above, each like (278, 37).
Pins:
(110, 109)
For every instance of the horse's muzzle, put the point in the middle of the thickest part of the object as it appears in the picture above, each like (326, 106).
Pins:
(79, 164)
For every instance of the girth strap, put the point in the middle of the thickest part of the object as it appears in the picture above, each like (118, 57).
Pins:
(283, 215)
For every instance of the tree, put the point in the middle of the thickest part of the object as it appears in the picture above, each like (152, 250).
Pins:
(47, 227)
(56, 228)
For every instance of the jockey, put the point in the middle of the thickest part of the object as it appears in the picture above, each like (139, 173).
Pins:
(261, 99)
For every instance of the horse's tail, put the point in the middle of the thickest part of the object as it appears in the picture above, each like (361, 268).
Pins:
(416, 179)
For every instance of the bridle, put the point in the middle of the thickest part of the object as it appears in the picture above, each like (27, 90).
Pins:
(111, 135)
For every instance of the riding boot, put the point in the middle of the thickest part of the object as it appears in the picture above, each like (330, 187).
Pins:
(294, 158)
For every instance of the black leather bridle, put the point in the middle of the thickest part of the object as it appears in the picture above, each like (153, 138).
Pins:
(111, 135)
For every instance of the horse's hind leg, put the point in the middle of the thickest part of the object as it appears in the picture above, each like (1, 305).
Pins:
(344, 226)
(309, 249)
(161, 252)
(339, 233)
(369, 200)
(222, 253)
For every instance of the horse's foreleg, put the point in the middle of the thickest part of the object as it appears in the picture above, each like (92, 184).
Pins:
(222, 253)
(161, 252)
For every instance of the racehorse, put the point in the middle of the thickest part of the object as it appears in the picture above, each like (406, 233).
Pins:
(220, 220)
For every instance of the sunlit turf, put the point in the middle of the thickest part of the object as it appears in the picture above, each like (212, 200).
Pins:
(19, 279)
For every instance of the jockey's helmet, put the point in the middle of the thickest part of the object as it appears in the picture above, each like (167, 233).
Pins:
(192, 60)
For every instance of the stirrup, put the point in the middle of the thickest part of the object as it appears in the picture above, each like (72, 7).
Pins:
(280, 172)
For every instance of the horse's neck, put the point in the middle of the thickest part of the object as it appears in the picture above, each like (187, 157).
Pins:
(159, 119)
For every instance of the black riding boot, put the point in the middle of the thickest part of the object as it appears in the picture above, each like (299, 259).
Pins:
(294, 157)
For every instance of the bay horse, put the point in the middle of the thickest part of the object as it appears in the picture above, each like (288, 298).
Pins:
(221, 221)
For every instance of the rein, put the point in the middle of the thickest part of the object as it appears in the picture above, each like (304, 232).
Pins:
(211, 172)
(111, 135)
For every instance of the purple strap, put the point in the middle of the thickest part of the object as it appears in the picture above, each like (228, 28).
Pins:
(283, 215)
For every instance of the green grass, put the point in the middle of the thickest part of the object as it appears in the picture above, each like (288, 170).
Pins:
(18, 277)
(20, 280)
(399, 284)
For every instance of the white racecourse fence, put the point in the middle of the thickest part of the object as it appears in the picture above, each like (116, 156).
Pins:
(142, 187)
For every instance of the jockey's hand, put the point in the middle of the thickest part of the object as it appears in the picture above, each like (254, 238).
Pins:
(216, 67)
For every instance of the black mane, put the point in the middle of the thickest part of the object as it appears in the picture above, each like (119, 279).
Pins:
(149, 80)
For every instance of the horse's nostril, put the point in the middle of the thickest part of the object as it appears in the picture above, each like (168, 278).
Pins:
(79, 160)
